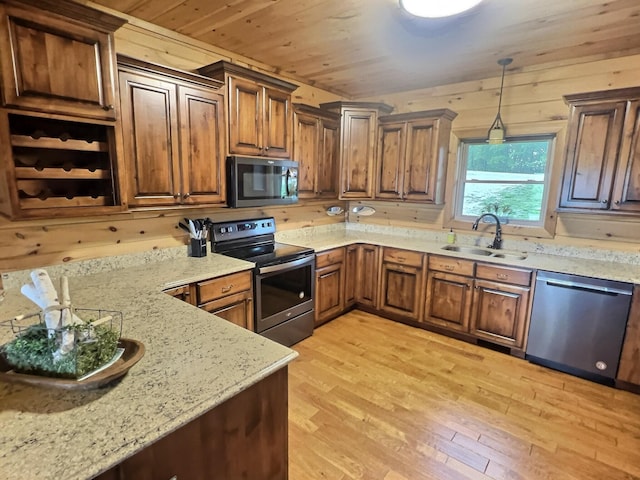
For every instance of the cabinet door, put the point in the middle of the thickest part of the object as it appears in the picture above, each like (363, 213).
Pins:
(305, 152)
(183, 293)
(351, 275)
(627, 187)
(277, 118)
(245, 117)
(237, 309)
(368, 274)
(52, 65)
(400, 294)
(358, 153)
(592, 150)
(202, 152)
(150, 124)
(421, 175)
(391, 154)
(328, 159)
(329, 292)
(448, 301)
(500, 313)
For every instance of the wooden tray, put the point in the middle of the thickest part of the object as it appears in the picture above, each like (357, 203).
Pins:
(133, 351)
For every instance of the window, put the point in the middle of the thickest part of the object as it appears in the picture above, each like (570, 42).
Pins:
(509, 179)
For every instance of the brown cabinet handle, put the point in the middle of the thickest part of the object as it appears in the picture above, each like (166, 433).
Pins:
(502, 276)
(401, 259)
(449, 268)
(227, 288)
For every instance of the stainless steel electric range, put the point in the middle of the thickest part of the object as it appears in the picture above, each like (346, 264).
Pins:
(283, 277)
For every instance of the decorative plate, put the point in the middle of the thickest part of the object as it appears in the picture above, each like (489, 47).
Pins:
(133, 352)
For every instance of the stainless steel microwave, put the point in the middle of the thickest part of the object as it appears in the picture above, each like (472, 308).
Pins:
(258, 182)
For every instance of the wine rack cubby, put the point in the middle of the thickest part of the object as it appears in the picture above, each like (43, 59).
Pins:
(60, 163)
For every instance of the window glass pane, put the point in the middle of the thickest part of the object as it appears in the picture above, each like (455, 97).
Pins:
(507, 179)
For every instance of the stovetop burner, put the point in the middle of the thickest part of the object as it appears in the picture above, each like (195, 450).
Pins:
(253, 240)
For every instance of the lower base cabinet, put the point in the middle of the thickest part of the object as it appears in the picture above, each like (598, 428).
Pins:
(330, 285)
(402, 275)
(448, 301)
(245, 437)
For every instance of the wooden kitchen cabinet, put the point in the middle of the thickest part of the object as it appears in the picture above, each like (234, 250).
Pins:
(260, 116)
(501, 304)
(412, 156)
(358, 132)
(351, 276)
(449, 293)
(602, 161)
(402, 275)
(629, 368)
(58, 57)
(316, 142)
(183, 292)
(330, 285)
(208, 448)
(229, 297)
(173, 136)
(368, 276)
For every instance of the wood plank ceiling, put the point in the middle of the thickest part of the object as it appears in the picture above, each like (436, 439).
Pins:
(360, 48)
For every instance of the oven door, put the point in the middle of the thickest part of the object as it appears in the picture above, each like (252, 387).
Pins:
(283, 292)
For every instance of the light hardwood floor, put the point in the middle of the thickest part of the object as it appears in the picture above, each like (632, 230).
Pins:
(373, 399)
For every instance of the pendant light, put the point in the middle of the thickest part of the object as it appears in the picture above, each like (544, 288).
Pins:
(498, 131)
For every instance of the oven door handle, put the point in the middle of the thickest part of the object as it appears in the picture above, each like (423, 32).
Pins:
(286, 265)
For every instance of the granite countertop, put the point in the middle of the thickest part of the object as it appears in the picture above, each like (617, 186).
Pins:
(622, 272)
(193, 362)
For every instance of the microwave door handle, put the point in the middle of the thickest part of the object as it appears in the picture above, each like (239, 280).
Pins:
(286, 181)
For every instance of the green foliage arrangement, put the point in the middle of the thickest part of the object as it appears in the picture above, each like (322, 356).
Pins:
(32, 351)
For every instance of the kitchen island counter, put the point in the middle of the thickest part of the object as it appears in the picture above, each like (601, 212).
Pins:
(193, 362)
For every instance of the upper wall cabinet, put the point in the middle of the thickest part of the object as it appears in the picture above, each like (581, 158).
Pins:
(602, 166)
(58, 58)
(58, 118)
(358, 141)
(173, 135)
(260, 116)
(412, 156)
(316, 142)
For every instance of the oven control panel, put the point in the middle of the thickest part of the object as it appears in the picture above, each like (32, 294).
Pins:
(236, 230)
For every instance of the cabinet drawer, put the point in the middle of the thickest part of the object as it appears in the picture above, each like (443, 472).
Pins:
(451, 265)
(223, 286)
(330, 257)
(516, 276)
(404, 257)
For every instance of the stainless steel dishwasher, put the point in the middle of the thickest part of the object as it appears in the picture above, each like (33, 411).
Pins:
(578, 324)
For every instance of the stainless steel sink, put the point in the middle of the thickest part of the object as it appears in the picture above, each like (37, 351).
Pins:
(468, 250)
(481, 252)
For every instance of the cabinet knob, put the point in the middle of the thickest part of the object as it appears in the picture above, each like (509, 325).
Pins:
(604, 201)
(186, 195)
(266, 149)
(617, 202)
(106, 108)
(176, 196)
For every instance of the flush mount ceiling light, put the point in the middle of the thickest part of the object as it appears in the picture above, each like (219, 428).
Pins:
(498, 131)
(437, 8)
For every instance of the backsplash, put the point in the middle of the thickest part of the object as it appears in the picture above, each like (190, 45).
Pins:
(86, 267)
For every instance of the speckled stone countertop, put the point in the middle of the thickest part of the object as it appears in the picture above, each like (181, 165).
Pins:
(589, 267)
(193, 362)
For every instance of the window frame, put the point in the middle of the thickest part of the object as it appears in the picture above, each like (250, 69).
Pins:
(555, 128)
(462, 170)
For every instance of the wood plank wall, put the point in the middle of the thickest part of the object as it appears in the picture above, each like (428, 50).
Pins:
(532, 102)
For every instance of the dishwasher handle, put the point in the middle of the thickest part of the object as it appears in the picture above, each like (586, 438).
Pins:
(586, 287)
